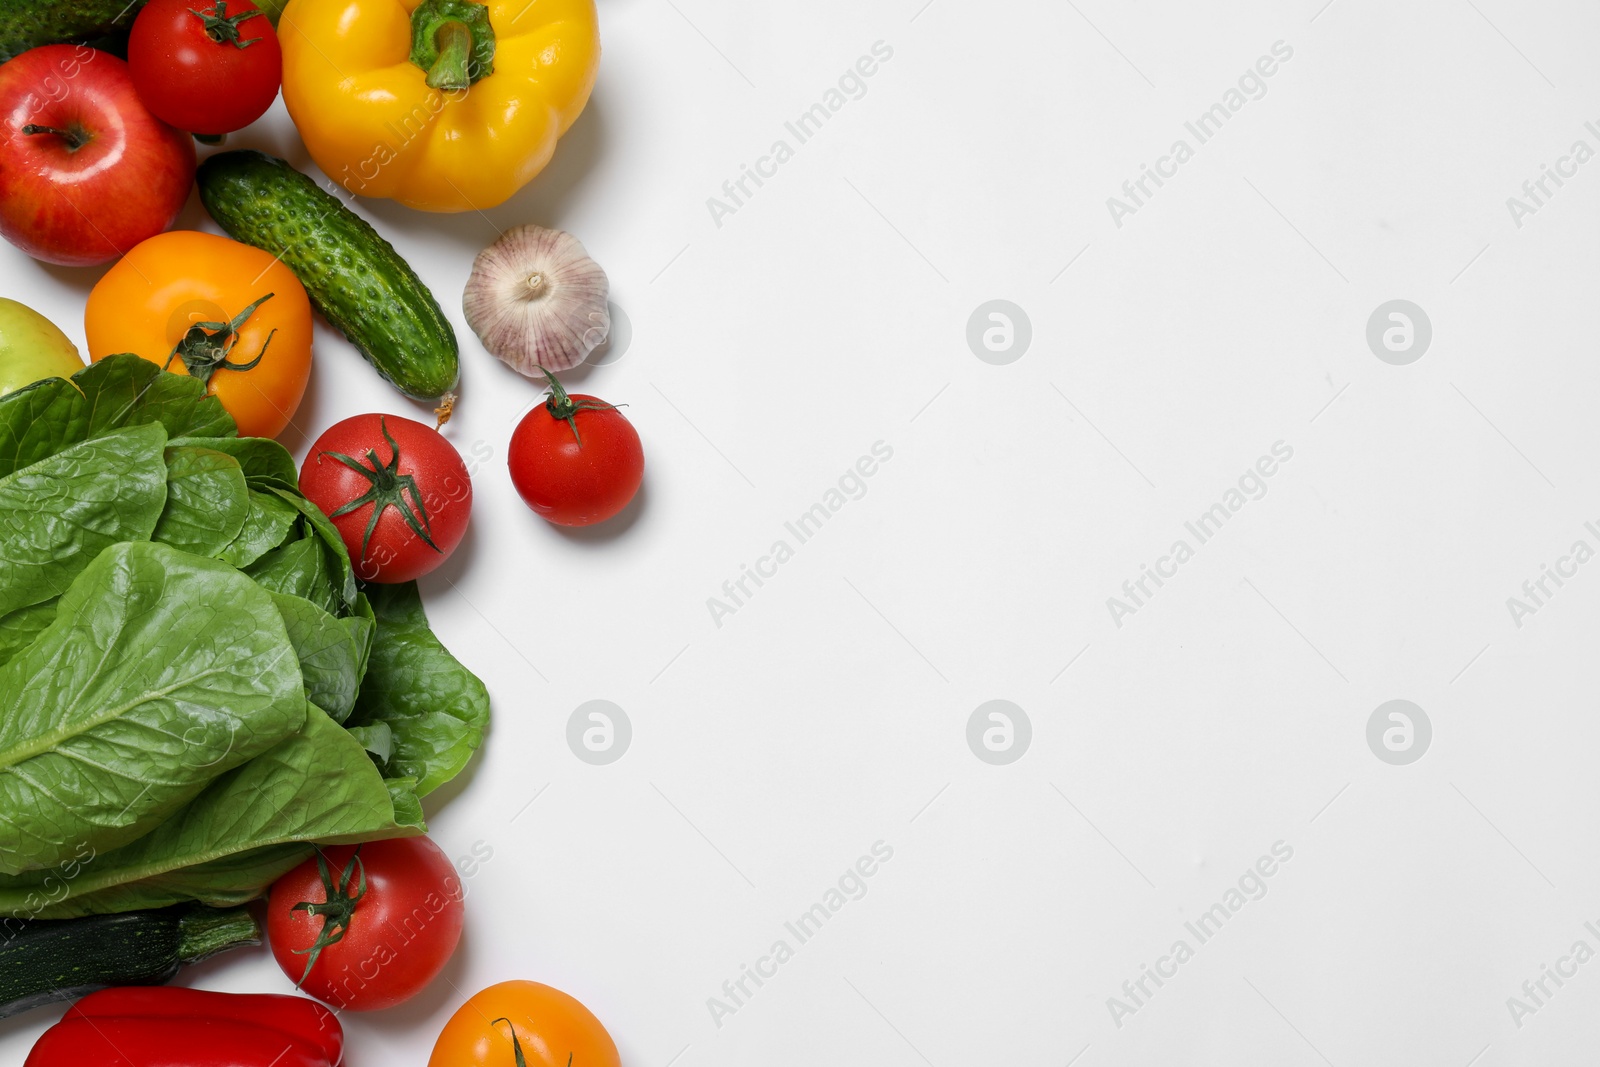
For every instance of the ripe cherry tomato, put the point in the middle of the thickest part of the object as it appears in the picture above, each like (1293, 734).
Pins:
(575, 459)
(210, 67)
(396, 491)
(199, 304)
(376, 923)
(546, 1026)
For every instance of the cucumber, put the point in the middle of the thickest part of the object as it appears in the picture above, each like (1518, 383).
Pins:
(47, 960)
(26, 24)
(353, 276)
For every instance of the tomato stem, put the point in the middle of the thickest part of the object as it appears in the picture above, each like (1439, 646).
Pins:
(205, 346)
(564, 408)
(336, 909)
(222, 27)
(516, 1046)
(388, 490)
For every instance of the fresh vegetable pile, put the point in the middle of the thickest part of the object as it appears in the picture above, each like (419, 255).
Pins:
(192, 684)
(220, 701)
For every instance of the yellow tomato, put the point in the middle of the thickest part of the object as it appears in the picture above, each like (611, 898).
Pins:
(551, 1029)
(184, 300)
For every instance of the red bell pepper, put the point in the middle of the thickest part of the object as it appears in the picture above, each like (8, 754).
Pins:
(164, 1027)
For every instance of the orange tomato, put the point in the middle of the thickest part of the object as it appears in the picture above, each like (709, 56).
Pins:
(184, 289)
(550, 1026)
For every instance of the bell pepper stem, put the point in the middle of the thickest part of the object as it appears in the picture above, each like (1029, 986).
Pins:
(452, 43)
(449, 72)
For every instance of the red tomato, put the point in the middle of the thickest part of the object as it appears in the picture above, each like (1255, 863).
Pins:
(388, 941)
(210, 67)
(575, 459)
(396, 491)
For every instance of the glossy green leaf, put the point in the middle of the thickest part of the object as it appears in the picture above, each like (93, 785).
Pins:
(298, 568)
(252, 824)
(125, 390)
(160, 671)
(22, 627)
(331, 652)
(56, 515)
(338, 560)
(207, 501)
(267, 524)
(436, 708)
(265, 462)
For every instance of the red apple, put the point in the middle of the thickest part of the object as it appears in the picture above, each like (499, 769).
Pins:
(86, 172)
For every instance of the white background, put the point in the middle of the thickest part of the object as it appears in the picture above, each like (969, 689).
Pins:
(830, 312)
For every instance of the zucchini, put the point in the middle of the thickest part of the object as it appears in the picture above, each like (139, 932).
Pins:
(48, 960)
(26, 24)
(353, 276)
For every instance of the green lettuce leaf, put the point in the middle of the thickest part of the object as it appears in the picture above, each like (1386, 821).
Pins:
(38, 421)
(342, 574)
(48, 416)
(267, 524)
(207, 500)
(332, 652)
(22, 627)
(58, 513)
(160, 671)
(266, 463)
(435, 708)
(298, 568)
(245, 830)
(163, 729)
(126, 391)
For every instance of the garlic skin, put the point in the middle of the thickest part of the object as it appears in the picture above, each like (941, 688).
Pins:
(535, 299)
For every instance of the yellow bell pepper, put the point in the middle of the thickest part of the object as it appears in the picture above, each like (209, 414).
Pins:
(443, 105)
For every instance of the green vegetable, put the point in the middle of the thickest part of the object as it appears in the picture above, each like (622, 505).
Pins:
(60, 513)
(26, 24)
(48, 961)
(178, 656)
(266, 525)
(331, 652)
(249, 827)
(435, 710)
(22, 627)
(161, 671)
(207, 500)
(353, 276)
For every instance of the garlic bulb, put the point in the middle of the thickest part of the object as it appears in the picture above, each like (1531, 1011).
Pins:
(535, 299)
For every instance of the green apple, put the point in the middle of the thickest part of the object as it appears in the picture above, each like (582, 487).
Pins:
(32, 348)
